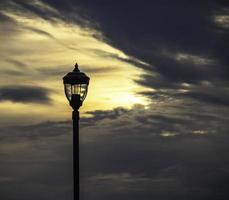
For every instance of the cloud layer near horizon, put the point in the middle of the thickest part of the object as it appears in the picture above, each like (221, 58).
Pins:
(125, 154)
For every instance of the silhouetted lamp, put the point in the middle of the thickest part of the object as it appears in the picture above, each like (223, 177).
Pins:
(75, 86)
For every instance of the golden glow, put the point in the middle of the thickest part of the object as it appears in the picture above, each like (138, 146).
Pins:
(48, 50)
(168, 134)
(222, 20)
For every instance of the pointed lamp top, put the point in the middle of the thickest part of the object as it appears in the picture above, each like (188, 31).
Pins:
(76, 77)
(76, 69)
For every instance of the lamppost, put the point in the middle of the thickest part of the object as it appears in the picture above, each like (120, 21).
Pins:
(75, 86)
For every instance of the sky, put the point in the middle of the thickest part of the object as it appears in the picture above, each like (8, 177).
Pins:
(155, 122)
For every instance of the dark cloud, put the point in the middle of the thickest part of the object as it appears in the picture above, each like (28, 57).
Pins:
(38, 9)
(135, 155)
(4, 18)
(125, 154)
(24, 94)
(181, 41)
(208, 98)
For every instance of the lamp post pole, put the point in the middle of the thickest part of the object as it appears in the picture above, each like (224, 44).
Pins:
(75, 87)
(76, 177)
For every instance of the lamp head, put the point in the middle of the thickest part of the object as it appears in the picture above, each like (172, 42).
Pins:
(76, 86)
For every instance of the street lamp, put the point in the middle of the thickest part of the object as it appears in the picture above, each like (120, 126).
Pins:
(75, 86)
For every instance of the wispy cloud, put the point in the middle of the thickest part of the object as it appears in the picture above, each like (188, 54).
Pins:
(41, 44)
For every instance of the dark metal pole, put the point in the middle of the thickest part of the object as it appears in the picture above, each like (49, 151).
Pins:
(76, 178)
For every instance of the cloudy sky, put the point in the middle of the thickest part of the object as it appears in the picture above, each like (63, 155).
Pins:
(155, 122)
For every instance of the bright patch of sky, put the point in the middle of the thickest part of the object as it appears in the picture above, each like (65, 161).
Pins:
(39, 52)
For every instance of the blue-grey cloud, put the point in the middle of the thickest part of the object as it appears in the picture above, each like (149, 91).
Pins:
(24, 94)
(133, 156)
(4, 18)
(209, 98)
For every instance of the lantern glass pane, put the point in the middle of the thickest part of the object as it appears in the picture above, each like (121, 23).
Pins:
(80, 89)
(68, 91)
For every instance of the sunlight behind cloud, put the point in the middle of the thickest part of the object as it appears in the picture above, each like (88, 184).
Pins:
(40, 52)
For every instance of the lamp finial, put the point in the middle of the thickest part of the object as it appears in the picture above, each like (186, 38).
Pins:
(76, 69)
